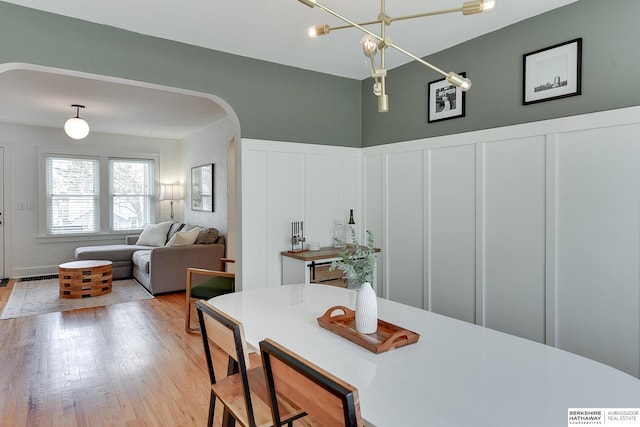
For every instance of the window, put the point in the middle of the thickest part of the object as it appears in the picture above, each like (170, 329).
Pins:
(73, 196)
(131, 192)
(78, 201)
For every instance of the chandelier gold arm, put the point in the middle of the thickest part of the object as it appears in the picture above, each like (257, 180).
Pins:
(468, 8)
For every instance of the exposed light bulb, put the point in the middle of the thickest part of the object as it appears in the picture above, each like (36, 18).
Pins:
(488, 5)
(369, 45)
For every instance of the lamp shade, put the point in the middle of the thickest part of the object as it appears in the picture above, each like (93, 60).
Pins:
(76, 127)
(170, 192)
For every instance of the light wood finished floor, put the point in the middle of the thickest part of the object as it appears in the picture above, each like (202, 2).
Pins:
(127, 364)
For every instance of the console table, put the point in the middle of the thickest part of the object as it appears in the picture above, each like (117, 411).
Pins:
(313, 267)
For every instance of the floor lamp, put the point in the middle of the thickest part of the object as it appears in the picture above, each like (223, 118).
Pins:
(170, 192)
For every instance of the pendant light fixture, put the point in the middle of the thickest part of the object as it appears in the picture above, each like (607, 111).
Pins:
(76, 127)
(373, 43)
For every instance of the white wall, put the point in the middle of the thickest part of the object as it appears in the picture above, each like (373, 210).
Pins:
(532, 230)
(285, 182)
(27, 253)
(208, 145)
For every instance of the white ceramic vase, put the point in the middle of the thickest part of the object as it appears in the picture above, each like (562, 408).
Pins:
(366, 310)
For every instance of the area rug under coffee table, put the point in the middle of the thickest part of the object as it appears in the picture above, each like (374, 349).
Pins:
(43, 296)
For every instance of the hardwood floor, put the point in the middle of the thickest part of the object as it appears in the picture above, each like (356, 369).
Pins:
(127, 364)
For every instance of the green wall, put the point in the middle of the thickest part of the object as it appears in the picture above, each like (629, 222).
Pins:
(272, 101)
(276, 102)
(610, 34)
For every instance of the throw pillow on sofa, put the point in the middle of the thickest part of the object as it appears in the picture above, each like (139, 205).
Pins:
(182, 238)
(154, 234)
(207, 236)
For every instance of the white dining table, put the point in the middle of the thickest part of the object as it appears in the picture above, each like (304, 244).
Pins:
(457, 374)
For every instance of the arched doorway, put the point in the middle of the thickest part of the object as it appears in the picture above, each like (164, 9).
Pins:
(52, 108)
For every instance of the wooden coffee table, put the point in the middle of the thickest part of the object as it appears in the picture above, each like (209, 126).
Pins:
(84, 279)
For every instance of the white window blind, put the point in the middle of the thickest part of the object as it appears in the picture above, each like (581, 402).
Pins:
(73, 195)
(131, 189)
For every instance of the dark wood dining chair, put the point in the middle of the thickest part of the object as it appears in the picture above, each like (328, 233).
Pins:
(243, 391)
(220, 282)
(328, 400)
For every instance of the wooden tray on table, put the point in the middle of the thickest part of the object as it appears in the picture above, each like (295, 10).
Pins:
(387, 336)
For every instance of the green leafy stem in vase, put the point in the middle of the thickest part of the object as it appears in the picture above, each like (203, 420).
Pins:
(356, 262)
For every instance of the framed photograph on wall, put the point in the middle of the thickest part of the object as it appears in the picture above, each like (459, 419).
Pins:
(444, 100)
(202, 188)
(553, 72)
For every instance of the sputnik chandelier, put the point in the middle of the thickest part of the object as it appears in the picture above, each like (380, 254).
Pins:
(372, 43)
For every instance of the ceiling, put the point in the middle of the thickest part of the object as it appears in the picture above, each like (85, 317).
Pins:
(35, 97)
(269, 30)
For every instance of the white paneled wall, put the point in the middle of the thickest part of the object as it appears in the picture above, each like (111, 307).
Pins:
(597, 244)
(285, 182)
(513, 240)
(375, 211)
(405, 228)
(254, 222)
(533, 230)
(451, 240)
(321, 175)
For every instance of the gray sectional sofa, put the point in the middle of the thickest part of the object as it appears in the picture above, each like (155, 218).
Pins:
(160, 256)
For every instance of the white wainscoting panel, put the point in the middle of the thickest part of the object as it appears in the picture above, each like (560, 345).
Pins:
(374, 198)
(285, 204)
(254, 227)
(406, 228)
(514, 237)
(323, 181)
(451, 232)
(598, 245)
(349, 191)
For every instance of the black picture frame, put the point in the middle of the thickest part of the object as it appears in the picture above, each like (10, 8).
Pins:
(445, 100)
(202, 188)
(553, 72)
